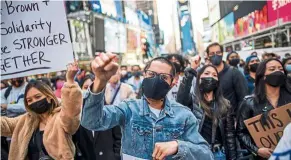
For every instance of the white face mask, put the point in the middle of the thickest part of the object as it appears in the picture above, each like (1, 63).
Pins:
(123, 72)
(85, 93)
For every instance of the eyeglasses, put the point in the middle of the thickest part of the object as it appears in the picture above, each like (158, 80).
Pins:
(164, 76)
(215, 53)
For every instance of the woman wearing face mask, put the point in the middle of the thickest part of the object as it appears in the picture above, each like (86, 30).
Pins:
(233, 59)
(44, 132)
(60, 81)
(270, 92)
(213, 112)
(287, 66)
(252, 63)
(85, 83)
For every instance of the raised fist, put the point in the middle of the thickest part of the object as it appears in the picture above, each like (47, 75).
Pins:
(104, 66)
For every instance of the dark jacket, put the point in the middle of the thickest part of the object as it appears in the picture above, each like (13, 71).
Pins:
(104, 145)
(251, 84)
(248, 109)
(225, 124)
(234, 85)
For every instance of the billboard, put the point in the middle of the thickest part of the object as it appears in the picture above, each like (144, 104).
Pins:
(186, 31)
(133, 39)
(278, 9)
(226, 28)
(213, 11)
(115, 36)
(215, 33)
(252, 22)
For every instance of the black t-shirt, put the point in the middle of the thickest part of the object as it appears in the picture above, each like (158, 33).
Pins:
(36, 149)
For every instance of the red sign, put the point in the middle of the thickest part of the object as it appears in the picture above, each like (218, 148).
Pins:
(278, 9)
(251, 23)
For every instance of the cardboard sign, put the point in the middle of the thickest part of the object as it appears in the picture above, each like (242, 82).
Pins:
(34, 38)
(268, 135)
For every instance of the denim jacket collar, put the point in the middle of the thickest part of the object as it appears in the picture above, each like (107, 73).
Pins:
(145, 110)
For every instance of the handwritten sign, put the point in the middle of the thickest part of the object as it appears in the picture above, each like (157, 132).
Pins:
(268, 135)
(35, 38)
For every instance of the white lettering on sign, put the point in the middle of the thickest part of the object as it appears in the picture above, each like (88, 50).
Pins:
(276, 4)
(35, 38)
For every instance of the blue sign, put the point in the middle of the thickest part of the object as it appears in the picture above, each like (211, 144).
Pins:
(96, 6)
(186, 31)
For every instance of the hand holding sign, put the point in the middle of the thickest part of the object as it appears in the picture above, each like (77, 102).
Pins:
(72, 69)
(265, 152)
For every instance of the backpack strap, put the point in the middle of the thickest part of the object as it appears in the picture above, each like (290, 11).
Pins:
(7, 92)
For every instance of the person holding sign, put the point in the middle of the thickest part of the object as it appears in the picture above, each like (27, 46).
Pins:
(270, 92)
(44, 132)
(211, 109)
(153, 127)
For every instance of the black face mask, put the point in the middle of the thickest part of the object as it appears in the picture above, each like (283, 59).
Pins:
(40, 106)
(155, 88)
(208, 84)
(234, 62)
(216, 60)
(253, 67)
(136, 74)
(18, 82)
(276, 79)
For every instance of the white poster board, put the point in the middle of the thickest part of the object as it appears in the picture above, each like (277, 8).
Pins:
(34, 38)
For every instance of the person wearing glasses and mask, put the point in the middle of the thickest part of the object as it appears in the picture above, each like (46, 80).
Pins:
(252, 63)
(233, 83)
(270, 93)
(153, 127)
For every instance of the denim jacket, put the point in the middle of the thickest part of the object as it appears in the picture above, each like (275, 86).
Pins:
(141, 129)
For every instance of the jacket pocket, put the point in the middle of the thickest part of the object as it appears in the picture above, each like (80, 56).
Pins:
(173, 132)
(142, 135)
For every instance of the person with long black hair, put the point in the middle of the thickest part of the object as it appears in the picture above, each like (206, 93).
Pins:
(212, 111)
(270, 93)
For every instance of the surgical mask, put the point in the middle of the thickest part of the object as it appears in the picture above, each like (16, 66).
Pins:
(276, 79)
(288, 68)
(60, 85)
(40, 106)
(155, 88)
(253, 67)
(234, 62)
(85, 93)
(208, 84)
(123, 72)
(216, 60)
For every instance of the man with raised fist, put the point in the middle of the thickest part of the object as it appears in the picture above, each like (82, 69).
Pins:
(153, 127)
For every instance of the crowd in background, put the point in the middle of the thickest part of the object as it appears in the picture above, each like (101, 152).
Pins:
(220, 94)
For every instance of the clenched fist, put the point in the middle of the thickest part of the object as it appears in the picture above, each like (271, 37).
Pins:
(103, 66)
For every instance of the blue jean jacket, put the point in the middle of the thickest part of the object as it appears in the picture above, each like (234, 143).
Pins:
(141, 129)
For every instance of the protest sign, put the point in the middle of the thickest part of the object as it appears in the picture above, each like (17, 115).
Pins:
(35, 38)
(268, 135)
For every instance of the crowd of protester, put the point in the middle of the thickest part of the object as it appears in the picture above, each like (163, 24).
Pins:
(174, 108)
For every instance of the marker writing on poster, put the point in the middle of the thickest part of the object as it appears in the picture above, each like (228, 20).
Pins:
(27, 52)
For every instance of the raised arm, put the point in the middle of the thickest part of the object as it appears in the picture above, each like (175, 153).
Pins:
(8, 125)
(95, 115)
(71, 101)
